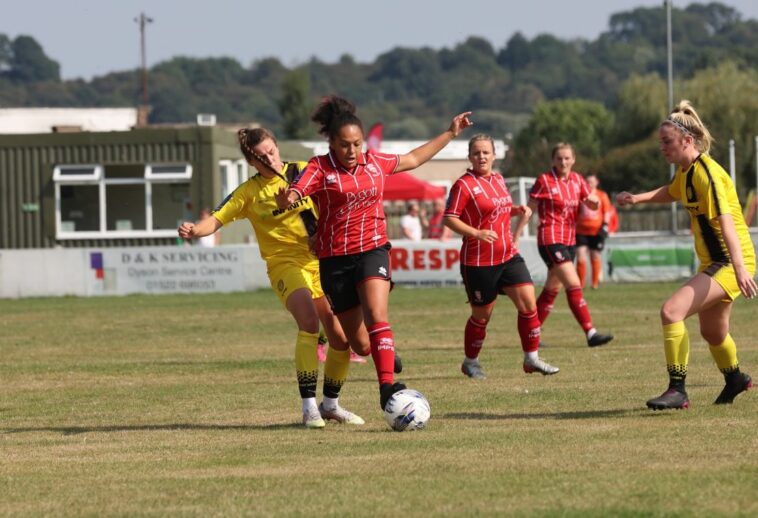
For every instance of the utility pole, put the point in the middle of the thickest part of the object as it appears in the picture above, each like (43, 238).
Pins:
(143, 20)
(670, 82)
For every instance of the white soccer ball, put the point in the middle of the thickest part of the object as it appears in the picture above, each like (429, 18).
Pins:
(407, 410)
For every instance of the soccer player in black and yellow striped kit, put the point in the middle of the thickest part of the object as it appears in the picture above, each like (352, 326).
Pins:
(292, 269)
(723, 247)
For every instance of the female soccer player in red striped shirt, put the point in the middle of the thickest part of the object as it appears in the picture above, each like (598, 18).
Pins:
(479, 208)
(556, 196)
(347, 186)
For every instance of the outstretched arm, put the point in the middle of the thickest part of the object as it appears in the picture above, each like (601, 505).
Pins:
(204, 227)
(425, 152)
(659, 195)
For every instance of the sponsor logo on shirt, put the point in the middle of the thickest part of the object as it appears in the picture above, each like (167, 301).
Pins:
(553, 190)
(331, 178)
(373, 170)
(502, 206)
(359, 200)
(476, 190)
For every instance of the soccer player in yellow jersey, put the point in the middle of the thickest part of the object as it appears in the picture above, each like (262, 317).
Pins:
(292, 269)
(723, 246)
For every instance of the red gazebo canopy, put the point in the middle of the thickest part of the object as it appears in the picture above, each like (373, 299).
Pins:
(404, 186)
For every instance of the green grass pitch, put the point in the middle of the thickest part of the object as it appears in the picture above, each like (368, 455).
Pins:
(188, 405)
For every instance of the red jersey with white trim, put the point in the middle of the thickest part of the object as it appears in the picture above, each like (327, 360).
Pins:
(351, 214)
(558, 202)
(483, 202)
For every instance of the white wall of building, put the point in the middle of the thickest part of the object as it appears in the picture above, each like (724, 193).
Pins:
(42, 120)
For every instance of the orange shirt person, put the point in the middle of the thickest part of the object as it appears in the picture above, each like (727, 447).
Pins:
(591, 232)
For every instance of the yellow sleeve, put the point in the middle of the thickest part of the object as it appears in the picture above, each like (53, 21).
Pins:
(675, 189)
(233, 207)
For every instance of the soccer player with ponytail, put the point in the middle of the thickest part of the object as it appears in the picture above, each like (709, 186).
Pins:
(479, 208)
(292, 269)
(723, 247)
(347, 186)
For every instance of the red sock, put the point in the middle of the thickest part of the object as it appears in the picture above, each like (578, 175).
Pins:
(597, 269)
(529, 331)
(581, 271)
(473, 337)
(579, 307)
(545, 303)
(382, 351)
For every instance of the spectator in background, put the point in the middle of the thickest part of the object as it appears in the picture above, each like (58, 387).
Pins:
(413, 222)
(210, 240)
(437, 228)
(591, 231)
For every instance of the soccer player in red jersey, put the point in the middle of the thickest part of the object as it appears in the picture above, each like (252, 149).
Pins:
(347, 186)
(479, 208)
(556, 196)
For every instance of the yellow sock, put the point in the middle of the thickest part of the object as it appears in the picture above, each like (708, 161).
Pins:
(335, 371)
(306, 363)
(676, 343)
(725, 355)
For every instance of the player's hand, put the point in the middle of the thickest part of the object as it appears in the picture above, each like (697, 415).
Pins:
(488, 236)
(746, 282)
(282, 198)
(460, 122)
(186, 230)
(603, 232)
(625, 198)
(521, 210)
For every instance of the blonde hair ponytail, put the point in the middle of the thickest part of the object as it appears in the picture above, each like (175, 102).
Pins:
(684, 118)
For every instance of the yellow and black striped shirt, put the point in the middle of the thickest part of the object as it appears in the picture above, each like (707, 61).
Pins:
(707, 192)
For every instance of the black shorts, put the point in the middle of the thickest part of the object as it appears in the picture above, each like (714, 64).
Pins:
(483, 283)
(556, 254)
(341, 275)
(592, 242)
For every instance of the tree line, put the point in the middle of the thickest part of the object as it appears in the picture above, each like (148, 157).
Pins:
(607, 96)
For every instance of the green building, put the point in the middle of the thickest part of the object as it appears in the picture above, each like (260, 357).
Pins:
(119, 188)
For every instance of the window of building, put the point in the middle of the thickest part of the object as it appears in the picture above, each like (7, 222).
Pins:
(232, 174)
(120, 200)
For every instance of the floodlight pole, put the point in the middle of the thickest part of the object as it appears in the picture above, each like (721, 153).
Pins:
(670, 82)
(143, 20)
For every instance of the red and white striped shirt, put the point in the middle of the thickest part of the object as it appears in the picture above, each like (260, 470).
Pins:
(351, 215)
(558, 202)
(483, 202)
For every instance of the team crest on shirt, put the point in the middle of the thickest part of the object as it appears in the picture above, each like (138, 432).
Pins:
(383, 271)
(373, 170)
(553, 190)
(331, 178)
(476, 190)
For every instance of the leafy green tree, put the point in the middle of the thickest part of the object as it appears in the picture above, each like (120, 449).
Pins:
(294, 105)
(725, 98)
(586, 125)
(29, 62)
(640, 108)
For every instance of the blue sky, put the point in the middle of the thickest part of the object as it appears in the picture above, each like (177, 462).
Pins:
(94, 37)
